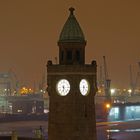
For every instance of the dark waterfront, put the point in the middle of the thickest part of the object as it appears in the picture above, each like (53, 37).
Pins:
(23, 128)
(116, 130)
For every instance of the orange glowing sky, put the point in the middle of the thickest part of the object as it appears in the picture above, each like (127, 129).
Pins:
(29, 30)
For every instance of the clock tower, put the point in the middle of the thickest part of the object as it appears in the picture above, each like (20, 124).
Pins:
(71, 87)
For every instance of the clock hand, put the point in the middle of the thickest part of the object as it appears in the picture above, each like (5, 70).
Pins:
(83, 87)
(63, 87)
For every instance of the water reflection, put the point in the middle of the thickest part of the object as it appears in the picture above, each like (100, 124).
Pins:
(132, 130)
(126, 130)
(113, 130)
(112, 133)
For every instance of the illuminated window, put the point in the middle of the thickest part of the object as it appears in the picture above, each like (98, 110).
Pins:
(114, 113)
(132, 112)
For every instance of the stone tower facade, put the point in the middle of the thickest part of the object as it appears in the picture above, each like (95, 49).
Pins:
(71, 87)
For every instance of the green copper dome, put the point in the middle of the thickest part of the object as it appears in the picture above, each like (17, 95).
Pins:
(71, 31)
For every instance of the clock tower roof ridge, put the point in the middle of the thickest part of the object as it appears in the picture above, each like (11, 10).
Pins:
(71, 31)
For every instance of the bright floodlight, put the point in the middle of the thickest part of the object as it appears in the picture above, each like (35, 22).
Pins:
(129, 90)
(112, 91)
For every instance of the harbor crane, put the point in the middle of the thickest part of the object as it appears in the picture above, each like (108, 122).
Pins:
(134, 83)
(107, 82)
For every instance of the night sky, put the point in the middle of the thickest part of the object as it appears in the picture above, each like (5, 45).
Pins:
(29, 31)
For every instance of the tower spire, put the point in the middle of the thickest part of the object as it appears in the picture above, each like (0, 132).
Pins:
(71, 9)
(71, 31)
(71, 42)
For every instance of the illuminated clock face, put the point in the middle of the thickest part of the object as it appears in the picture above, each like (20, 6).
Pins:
(84, 87)
(63, 87)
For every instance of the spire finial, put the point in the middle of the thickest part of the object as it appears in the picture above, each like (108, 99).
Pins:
(71, 9)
